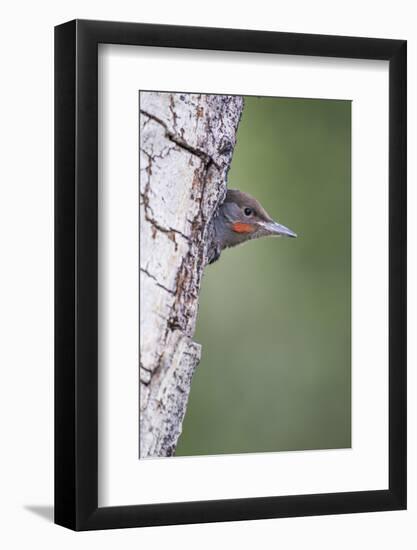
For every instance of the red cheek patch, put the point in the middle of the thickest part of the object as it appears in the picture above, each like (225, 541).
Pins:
(239, 227)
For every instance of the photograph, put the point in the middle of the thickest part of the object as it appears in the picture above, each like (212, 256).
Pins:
(245, 341)
(209, 260)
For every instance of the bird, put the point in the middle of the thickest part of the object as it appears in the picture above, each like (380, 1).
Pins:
(241, 218)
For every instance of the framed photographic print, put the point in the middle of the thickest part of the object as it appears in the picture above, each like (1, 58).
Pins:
(230, 252)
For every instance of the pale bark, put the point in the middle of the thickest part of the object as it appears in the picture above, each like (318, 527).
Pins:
(186, 146)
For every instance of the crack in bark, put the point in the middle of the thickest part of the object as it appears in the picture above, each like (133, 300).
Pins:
(156, 281)
(145, 368)
(181, 142)
(166, 230)
(162, 155)
(173, 113)
(144, 195)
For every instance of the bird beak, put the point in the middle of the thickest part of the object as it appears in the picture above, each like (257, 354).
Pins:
(275, 228)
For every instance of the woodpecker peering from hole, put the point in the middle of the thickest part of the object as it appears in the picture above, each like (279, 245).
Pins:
(239, 219)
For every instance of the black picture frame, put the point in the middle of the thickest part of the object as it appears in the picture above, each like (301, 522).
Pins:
(76, 272)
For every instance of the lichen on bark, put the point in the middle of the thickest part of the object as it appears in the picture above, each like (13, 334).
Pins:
(186, 147)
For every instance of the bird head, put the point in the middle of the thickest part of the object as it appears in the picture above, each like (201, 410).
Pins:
(241, 218)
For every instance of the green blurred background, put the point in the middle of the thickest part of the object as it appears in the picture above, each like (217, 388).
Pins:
(275, 314)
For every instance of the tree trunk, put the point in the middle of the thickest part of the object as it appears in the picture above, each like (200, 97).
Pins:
(186, 146)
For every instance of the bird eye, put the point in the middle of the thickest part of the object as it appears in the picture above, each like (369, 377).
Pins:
(248, 211)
